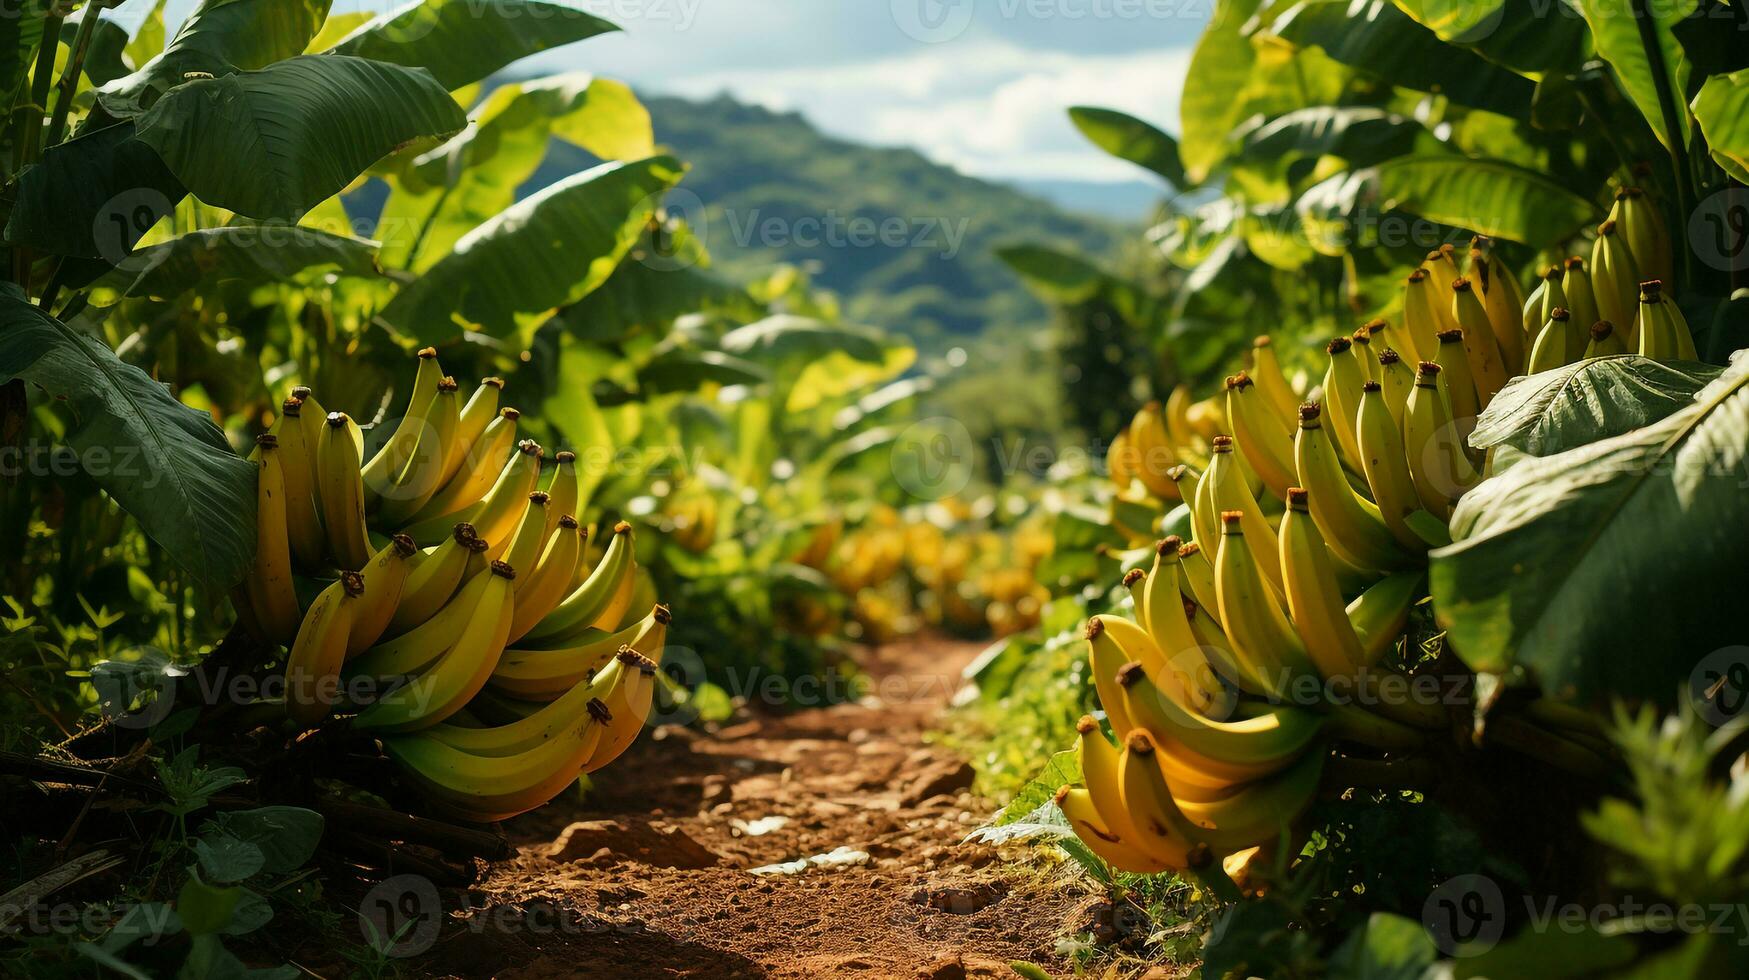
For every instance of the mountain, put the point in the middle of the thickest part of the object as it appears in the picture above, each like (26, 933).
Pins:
(1124, 201)
(907, 244)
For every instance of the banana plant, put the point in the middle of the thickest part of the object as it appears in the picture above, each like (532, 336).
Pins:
(151, 175)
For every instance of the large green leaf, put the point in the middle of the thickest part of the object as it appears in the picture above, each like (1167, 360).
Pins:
(165, 463)
(21, 30)
(645, 294)
(463, 41)
(1613, 568)
(1375, 37)
(274, 143)
(1054, 275)
(93, 196)
(1128, 138)
(1619, 29)
(546, 251)
(253, 253)
(1489, 197)
(1528, 36)
(219, 37)
(1722, 110)
(1554, 411)
(1361, 135)
(1210, 107)
(478, 173)
(104, 62)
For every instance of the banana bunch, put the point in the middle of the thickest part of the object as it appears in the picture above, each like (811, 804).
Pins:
(1620, 303)
(456, 611)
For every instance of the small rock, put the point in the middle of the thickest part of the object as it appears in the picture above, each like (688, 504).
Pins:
(962, 900)
(944, 777)
(948, 967)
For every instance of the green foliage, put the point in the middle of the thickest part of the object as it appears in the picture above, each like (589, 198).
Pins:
(1544, 552)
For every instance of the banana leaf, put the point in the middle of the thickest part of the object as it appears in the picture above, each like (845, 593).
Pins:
(163, 462)
(1552, 412)
(464, 41)
(1128, 138)
(219, 37)
(1615, 29)
(1611, 569)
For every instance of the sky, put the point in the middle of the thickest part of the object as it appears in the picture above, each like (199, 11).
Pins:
(980, 85)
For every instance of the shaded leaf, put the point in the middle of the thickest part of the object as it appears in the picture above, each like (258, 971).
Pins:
(463, 41)
(1551, 412)
(166, 464)
(784, 337)
(1489, 197)
(1616, 31)
(685, 369)
(1219, 68)
(1387, 947)
(1128, 138)
(255, 253)
(1610, 568)
(1528, 36)
(1375, 37)
(1722, 110)
(93, 196)
(274, 143)
(286, 835)
(219, 37)
(546, 251)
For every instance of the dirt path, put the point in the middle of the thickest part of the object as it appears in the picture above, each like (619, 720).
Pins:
(653, 877)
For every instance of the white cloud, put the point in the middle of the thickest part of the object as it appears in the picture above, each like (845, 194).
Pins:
(991, 109)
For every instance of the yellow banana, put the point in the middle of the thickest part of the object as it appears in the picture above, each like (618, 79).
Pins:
(1397, 380)
(298, 464)
(1605, 341)
(1641, 224)
(1488, 370)
(497, 517)
(268, 587)
(1352, 524)
(1421, 321)
(1161, 830)
(1111, 847)
(1664, 334)
(1099, 773)
(548, 720)
(586, 605)
(1119, 462)
(420, 479)
(1360, 348)
(543, 675)
(1186, 674)
(1437, 463)
(1162, 609)
(1262, 436)
(417, 649)
(1442, 271)
(385, 577)
(1581, 307)
(341, 490)
(1178, 422)
(526, 544)
(465, 448)
(630, 712)
(1386, 468)
(1615, 276)
(1197, 578)
(1380, 613)
(447, 685)
(1153, 451)
(1104, 660)
(1460, 384)
(1228, 492)
(1261, 811)
(1236, 751)
(1503, 301)
(481, 467)
(1262, 638)
(1314, 600)
(383, 470)
(562, 489)
(312, 668)
(433, 579)
(541, 592)
(484, 788)
(1548, 296)
(1550, 351)
(1342, 381)
(1278, 394)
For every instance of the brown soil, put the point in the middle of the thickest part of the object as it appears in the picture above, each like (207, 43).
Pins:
(652, 875)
